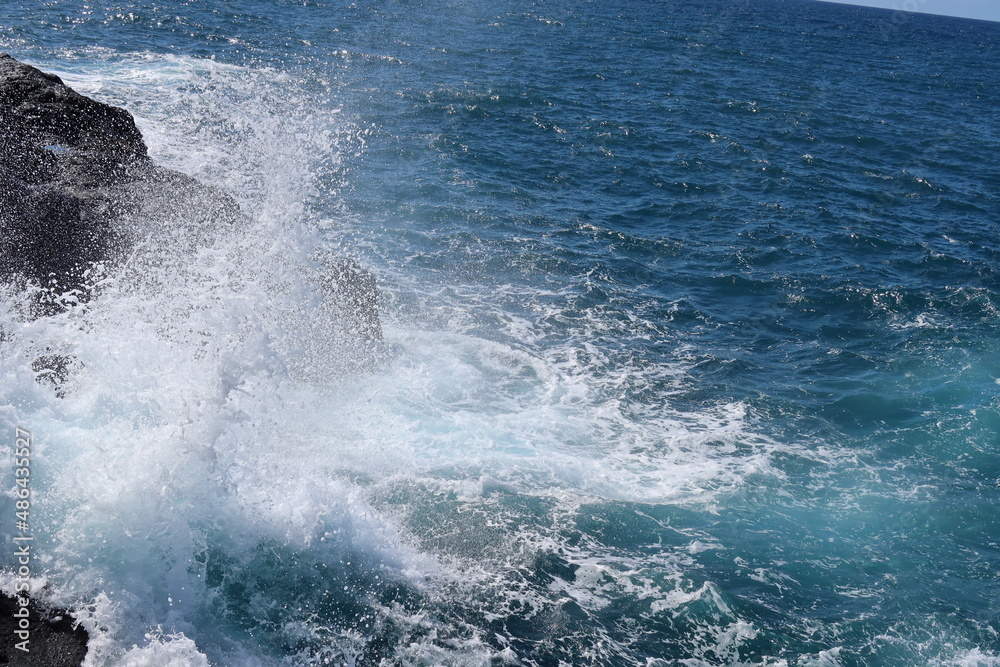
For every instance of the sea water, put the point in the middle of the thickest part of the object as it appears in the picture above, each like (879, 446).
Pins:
(691, 349)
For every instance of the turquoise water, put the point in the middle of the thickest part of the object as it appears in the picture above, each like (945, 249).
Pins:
(691, 354)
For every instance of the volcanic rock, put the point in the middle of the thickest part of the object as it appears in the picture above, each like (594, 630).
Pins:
(53, 639)
(75, 176)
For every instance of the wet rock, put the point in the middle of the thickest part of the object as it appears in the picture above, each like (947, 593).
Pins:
(54, 639)
(57, 137)
(77, 187)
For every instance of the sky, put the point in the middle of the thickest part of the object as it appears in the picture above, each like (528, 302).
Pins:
(973, 9)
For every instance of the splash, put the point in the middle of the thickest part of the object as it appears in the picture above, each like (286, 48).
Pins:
(232, 472)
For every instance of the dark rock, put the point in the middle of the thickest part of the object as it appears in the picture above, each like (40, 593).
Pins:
(56, 136)
(47, 237)
(54, 639)
(77, 186)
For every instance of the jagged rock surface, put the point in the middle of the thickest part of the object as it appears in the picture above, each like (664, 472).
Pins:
(73, 174)
(54, 640)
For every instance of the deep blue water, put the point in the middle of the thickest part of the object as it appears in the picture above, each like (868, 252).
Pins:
(692, 340)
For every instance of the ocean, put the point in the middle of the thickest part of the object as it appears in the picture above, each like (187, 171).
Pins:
(691, 340)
